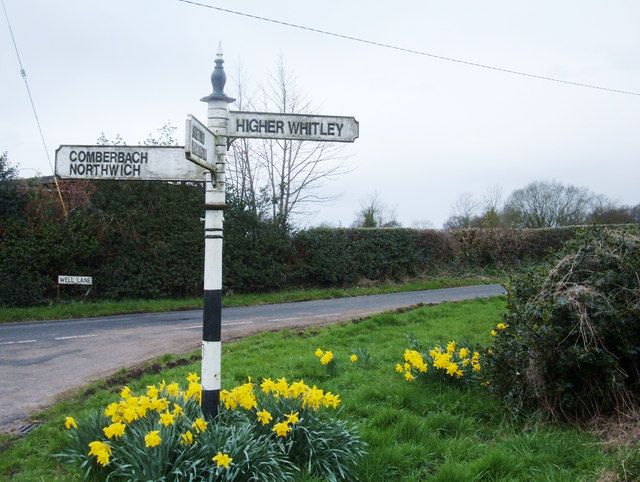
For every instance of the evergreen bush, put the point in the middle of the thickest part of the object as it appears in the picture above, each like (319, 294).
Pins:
(571, 348)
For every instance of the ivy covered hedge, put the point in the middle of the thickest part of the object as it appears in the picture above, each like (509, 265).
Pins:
(145, 240)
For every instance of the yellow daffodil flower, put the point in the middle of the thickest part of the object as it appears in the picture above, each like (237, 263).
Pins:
(326, 358)
(264, 417)
(354, 358)
(186, 438)
(70, 422)
(193, 378)
(292, 417)
(199, 425)
(166, 419)
(114, 430)
(152, 439)
(222, 460)
(281, 429)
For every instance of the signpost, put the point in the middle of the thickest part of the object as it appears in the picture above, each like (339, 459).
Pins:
(125, 163)
(199, 144)
(265, 125)
(74, 280)
(206, 148)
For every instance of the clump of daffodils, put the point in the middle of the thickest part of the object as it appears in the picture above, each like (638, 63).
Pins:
(451, 361)
(325, 357)
(268, 431)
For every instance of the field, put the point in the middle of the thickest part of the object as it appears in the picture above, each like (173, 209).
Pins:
(435, 430)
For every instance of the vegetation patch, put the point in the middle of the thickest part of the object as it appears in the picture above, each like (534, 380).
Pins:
(571, 347)
(433, 428)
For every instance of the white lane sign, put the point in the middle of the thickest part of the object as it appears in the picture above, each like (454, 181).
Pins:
(74, 280)
(199, 145)
(125, 163)
(266, 125)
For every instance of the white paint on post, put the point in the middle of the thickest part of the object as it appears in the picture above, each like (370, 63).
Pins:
(211, 352)
(125, 163)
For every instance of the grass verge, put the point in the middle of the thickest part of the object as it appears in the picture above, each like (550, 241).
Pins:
(106, 308)
(434, 431)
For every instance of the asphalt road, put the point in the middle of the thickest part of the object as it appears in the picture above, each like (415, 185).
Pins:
(41, 360)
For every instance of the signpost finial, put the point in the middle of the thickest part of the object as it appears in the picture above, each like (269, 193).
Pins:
(218, 80)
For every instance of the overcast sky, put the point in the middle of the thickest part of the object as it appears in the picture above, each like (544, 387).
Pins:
(429, 130)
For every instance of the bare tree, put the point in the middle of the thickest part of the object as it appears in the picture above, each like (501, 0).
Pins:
(374, 213)
(243, 166)
(282, 175)
(463, 212)
(548, 204)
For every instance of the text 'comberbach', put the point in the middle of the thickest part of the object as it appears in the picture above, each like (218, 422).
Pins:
(107, 163)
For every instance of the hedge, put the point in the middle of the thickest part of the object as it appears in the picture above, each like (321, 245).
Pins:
(145, 240)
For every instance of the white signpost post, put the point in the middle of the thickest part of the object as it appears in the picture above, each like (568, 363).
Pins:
(205, 147)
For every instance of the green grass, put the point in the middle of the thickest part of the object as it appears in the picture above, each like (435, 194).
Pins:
(433, 431)
(105, 308)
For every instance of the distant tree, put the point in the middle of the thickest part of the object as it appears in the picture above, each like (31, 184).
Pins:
(163, 136)
(607, 211)
(547, 204)
(105, 141)
(374, 213)
(635, 213)
(463, 212)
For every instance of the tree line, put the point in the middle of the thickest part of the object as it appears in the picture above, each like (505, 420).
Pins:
(540, 204)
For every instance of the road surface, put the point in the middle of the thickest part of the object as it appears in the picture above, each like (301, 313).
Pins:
(41, 360)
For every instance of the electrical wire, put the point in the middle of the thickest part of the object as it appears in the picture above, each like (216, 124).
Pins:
(23, 73)
(407, 50)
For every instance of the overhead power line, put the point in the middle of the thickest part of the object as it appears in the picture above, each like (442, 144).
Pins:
(407, 50)
(23, 73)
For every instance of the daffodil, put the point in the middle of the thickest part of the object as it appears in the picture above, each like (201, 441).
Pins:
(101, 451)
(199, 425)
(281, 429)
(152, 439)
(264, 417)
(464, 352)
(152, 391)
(409, 376)
(70, 422)
(326, 358)
(451, 347)
(354, 358)
(292, 417)
(319, 353)
(173, 389)
(399, 368)
(193, 378)
(186, 438)
(494, 333)
(166, 419)
(502, 326)
(222, 460)
(114, 430)
(125, 392)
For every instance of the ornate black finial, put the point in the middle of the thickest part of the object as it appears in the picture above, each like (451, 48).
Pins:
(218, 79)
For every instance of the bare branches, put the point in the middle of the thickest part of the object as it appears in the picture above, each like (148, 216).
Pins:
(283, 176)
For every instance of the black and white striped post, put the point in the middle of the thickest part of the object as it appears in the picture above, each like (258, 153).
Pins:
(217, 120)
